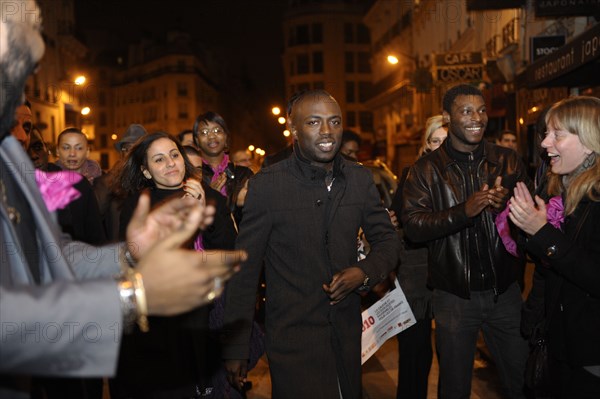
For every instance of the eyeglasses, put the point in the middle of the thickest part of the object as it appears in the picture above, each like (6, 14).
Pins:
(215, 130)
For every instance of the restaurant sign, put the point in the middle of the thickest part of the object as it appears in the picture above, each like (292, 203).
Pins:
(579, 51)
(459, 67)
(561, 8)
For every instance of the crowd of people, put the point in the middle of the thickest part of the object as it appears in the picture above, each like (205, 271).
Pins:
(147, 274)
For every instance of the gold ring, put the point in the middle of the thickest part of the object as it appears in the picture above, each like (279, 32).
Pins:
(211, 295)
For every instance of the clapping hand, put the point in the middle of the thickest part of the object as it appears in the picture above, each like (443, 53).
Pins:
(526, 214)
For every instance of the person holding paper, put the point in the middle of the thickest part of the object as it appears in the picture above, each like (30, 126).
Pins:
(302, 216)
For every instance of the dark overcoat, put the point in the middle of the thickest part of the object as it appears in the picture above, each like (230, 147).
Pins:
(306, 234)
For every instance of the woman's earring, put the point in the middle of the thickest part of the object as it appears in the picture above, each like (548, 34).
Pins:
(147, 174)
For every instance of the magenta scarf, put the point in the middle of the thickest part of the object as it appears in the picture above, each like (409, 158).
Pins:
(57, 187)
(218, 170)
(556, 216)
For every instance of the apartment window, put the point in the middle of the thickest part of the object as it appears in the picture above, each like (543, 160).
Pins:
(103, 140)
(350, 97)
(102, 98)
(102, 119)
(366, 121)
(350, 119)
(317, 62)
(302, 36)
(292, 69)
(302, 64)
(182, 89)
(348, 33)
(364, 91)
(291, 37)
(362, 34)
(318, 85)
(182, 111)
(364, 62)
(349, 62)
(317, 33)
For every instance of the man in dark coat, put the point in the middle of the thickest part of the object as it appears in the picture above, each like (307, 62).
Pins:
(302, 216)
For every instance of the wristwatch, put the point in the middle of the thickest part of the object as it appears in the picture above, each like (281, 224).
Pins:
(365, 285)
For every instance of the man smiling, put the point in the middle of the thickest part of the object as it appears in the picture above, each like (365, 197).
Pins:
(450, 198)
(302, 217)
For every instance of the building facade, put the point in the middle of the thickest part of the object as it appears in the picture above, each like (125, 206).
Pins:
(438, 44)
(327, 46)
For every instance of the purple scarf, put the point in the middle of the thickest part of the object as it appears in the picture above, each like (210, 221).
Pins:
(217, 172)
(556, 216)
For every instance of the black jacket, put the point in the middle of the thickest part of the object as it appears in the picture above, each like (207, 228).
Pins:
(567, 283)
(435, 193)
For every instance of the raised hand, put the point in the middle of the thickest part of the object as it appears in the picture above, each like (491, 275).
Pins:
(147, 228)
(193, 188)
(526, 214)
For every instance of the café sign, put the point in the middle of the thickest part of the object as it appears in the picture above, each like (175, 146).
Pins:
(459, 67)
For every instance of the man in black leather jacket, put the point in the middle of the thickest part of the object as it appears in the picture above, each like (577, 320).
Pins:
(451, 197)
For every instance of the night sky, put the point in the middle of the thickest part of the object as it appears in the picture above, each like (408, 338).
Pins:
(246, 33)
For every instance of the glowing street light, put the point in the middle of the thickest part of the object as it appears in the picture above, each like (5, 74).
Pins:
(114, 136)
(251, 148)
(392, 59)
(286, 133)
(85, 111)
(281, 120)
(276, 110)
(79, 80)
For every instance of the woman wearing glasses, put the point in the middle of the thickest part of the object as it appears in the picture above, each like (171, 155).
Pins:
(435, 134)
(211, 136)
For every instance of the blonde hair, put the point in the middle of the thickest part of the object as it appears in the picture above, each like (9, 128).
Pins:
(581, 116)
(433, 123)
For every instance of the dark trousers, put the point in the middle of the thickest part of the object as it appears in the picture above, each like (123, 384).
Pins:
(414, 362)
(458, 322)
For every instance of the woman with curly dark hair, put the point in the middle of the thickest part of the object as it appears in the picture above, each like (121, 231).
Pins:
(171, 359)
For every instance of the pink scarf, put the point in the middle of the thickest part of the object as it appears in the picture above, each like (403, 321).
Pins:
(218, 170)
(57, 188)
(556, 216)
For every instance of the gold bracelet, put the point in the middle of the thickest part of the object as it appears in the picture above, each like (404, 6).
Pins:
(140, 300)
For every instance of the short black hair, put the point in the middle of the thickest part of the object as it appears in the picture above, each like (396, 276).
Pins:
(70, 130)
(350, 135)
(183, 133)
(501, 133)
(458, 90)
(206, 117)
(299, 95)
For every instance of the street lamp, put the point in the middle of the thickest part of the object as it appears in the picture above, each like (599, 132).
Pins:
(286, 133)
(251, 148)
(281, 120)
(80, 80)
(392, 59)
(276, 111)
(85, 111)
